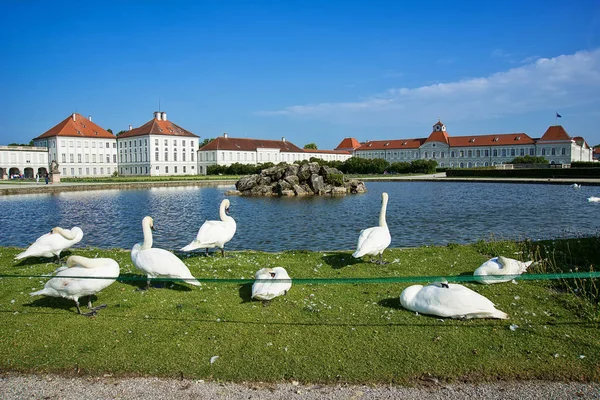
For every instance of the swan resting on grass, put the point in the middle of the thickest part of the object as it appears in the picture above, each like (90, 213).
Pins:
(52, 243)
(72, 282)
(268, 284)
(214, 233)
(448, 300)
(158, 262)
(500, 266)
(373, 241)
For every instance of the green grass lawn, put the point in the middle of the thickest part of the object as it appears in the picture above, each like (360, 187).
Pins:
(355, 333)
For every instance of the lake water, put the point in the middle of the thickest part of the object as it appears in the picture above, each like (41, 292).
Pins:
(419, 213)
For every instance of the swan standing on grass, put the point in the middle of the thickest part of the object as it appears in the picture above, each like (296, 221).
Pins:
(500, 266)
(373, 241)
(214, 233)
(158, 262)
(52, 243)
(76, 283)
(270, 285)
(448, 300)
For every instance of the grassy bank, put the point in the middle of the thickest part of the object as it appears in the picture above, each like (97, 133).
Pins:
(318, 332)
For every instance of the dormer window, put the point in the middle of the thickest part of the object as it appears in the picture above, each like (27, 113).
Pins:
(496, 139)
(472, 140)
(404, 144)
(387, 144)
(518, 138)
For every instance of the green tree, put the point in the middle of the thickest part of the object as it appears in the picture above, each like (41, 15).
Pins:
(120, 133)
(528, 160)
(311, 146)
(109, 130)
(205, 142)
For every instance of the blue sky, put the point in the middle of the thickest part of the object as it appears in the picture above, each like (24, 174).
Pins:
(312, 71)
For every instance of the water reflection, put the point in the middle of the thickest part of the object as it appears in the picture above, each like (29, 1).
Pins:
(418, 213)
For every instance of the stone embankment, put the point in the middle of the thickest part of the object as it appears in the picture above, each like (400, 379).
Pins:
(297, 180)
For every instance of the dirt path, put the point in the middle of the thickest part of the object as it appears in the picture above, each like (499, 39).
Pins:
(57, 387)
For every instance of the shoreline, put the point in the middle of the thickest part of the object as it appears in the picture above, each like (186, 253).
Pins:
(34, 188)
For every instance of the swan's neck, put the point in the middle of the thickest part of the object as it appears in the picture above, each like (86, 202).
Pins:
(222, 214)
(382, 222)
(147, 236)
(82, 261)
(62, 232)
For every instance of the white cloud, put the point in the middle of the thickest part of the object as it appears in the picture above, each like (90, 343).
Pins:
(547, 83)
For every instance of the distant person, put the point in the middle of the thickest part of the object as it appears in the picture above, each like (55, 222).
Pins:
(37, 178)
(46, 177)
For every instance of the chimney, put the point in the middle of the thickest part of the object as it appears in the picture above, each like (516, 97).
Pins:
(164, 116)
(130, 127)
(74, 117)
(157, 115)
(225, 135)
(90, 117)
(283, 139)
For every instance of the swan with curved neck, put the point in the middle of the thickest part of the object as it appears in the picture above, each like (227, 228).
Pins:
(270, 283)
(158, 262)
(53, 243)
(81, 277)
(214, 233)
(498, 266)
(448, 300)
(373, 241)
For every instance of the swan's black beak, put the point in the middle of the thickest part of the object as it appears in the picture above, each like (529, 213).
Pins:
(153, 228)
(227, 210)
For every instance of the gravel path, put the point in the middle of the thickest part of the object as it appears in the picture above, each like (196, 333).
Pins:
(57, 387)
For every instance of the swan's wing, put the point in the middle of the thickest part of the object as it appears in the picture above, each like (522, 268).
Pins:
(215, 232)
(364, 234)
(454, 301)
(373, 240)
(159, 262)
(204, 233)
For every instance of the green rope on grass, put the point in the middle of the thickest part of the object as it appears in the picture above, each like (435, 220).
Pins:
(320, 281)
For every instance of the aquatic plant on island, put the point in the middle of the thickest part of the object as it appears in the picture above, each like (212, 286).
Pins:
(297, 180)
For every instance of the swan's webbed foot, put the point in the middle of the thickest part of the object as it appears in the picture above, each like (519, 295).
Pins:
(92, 308)
(222, 252)
(88, 314)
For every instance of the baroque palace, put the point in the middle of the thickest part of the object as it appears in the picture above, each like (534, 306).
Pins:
(82, 148)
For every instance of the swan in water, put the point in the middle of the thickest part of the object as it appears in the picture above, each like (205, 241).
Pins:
(158, 262)
(576, 186)
(76, 283)
(52, 243)
(270, 285)
(594, 199)
(373, 241)
(214, 233)
(500, 266)
(448, 300)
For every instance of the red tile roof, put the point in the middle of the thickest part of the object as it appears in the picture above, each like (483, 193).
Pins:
(391, 144)
(556, 132)
(348, 143)
(581, 141)
(243, 144)
(500, 139)
(158, 127)
(597, 150)
(78, 126)
(438, 136)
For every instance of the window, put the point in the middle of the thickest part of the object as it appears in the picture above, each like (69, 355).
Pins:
(553, 151)
(486, 153)
(72, 171)
(156, 156)
(87, 171)
(503, 152)
(166, 142)
(71, 159)
(79, 159)
(495, 152)
(156, 142)
(183, 155)
(94, 169)
(522, 152)
(107, 145)
(470, 153)
(63, 144)
(94, 160)
(71, 145)
(93, 145)
(87, 158)
(425, 156)
(512, 152)
(78, 144)
(114, 147)
(108, 170)
(167, 169)
(166, 156)
(462, 154)
(452, 154)
(192, 143)
(192, 154)
(532, 151)
(114, 158)
(175, 144)
(462, 164)
(543, 152)
(102, 171)
(175, 171)
(442, 155)
(183, 144)
(563, 151)
(175, 157)
(64, 171)
(80, 171)
(478, 153)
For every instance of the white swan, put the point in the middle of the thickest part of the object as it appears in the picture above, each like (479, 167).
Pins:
(158, 262)
(52, 243)
(214, 233)
(77, 284)
(500, 266)
(576, 186)
(448, 300)
(373, 241)
(594, 199)
(270, 285)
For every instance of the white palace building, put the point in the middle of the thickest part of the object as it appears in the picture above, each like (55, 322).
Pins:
(555, 145)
